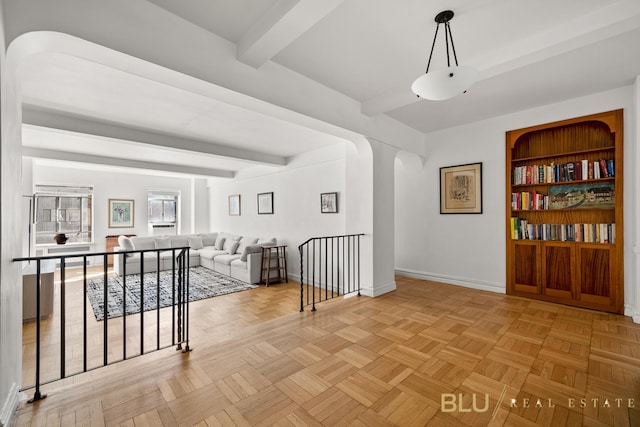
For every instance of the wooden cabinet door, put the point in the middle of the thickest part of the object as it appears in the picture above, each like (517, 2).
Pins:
(597, 285)
(558, 269)
(525, 267)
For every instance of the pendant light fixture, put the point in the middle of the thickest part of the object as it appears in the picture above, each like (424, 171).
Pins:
(448, 82)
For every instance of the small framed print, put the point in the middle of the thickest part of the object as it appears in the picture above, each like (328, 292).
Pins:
(234, 205)
(120, 213)
(265, 203)
(461, 189)
(329, 202)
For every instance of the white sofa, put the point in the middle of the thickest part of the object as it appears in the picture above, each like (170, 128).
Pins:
(236, 256)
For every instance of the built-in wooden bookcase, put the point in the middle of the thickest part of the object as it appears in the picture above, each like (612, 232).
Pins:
(564, 212)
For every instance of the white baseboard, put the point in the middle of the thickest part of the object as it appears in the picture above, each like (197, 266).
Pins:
(630, 311)
(453, 280)
(9, 406)
(378, 290)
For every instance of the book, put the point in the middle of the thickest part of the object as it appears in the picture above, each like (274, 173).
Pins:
(610, 168)
(578, 171)
(604, 173)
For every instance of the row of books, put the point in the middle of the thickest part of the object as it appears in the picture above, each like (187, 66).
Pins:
(529, 201)
(565, 172)
(521, 229)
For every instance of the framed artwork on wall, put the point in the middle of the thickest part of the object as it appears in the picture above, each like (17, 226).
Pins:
(329, 202)
(265, 203)
(461, 189)
(234, 205)
(120, 213)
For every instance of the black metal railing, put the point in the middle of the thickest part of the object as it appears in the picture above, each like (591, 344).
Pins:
(72, 333)
(329, 268)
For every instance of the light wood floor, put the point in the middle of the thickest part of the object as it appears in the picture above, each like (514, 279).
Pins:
(369, 362)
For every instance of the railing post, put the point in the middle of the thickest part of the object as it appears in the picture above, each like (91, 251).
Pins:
(142, 302)
(186, 301)
(158, 300)
(313, 281)
(84, 315)
(358, 239)
(37, 395)
(180, 291)
(105, 313)
(63, 311)
(301, 249)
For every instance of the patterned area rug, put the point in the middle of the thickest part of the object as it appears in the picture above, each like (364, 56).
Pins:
(203, 283)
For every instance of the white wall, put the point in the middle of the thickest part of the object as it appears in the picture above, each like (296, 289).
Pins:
(469, 250)
(10, 236)
(296, 199)
(121, 185)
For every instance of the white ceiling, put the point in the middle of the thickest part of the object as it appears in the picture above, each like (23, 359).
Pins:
(529, 53)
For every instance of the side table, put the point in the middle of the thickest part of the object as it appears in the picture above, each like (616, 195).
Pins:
(274, 260)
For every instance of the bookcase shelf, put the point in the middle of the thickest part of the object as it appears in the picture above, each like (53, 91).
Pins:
(579, 261)
(560, 155)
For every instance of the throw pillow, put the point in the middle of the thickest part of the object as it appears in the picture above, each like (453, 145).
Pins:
(195, 242)
(219, 242)
(271, 241)
(246, 241)
(125, 243)
(250, 249)
(209, 239)
(233, 247)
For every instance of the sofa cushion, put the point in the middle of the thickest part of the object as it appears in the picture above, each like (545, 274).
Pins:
(148, 257)
(162, 242)
(210, 252)
(226, 259)
(143, 242)
(239, 263)
(250, 249)
(209, 239)
(125, 243)
(179, 241)
(195, 242)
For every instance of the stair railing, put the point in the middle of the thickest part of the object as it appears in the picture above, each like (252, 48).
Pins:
(179, 312)
(329, 268)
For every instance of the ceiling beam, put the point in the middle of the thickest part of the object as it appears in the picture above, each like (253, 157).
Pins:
(278, 28)
(51, 119)
(43, 153)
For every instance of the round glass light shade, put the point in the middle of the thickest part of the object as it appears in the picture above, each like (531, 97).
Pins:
(443, 84)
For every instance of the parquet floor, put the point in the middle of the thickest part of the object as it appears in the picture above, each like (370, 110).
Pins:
(427, 354)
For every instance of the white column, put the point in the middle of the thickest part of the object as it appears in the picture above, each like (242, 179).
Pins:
(10, 235)
(370, 209)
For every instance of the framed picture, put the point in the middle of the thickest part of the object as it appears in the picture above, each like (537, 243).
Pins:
(461, 189)
(265, 203)
(234, 205)
(329, 202)
(120, 213)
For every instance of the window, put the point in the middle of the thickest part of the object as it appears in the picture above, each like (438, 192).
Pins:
(162, 208)
(65, 210)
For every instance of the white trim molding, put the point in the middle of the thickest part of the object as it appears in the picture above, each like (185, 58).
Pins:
(10, 405)
(378, 290)
(482, 285)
